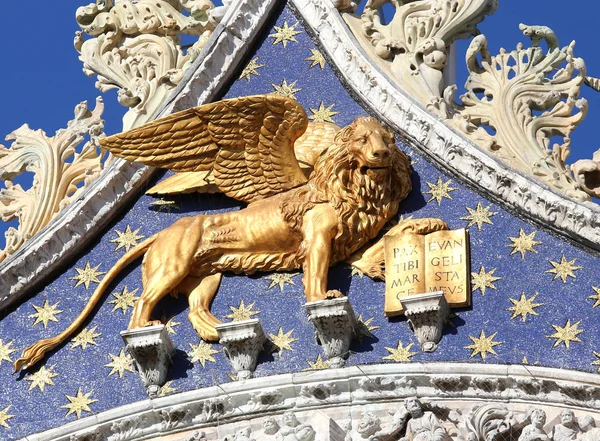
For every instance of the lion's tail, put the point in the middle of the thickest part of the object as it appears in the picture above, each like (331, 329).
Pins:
(36, 351)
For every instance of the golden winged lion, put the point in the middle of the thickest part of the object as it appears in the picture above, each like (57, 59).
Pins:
(316, 195)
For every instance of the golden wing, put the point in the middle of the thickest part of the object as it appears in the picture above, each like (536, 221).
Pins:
(244, 146)
(307, 148)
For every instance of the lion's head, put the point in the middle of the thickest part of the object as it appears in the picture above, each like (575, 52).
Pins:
(364, 176)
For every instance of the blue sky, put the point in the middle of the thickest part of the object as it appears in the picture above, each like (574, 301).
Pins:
(42, 78)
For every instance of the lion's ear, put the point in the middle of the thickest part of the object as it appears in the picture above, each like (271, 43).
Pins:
(344, 135)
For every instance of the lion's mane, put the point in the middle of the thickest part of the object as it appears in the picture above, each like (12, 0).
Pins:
(362, 204)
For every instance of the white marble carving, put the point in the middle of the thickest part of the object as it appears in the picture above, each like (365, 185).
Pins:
(135, 47)
(526, 97)
(62, 165)
(433, 410)
(426, 315)
(153, 351)
(335, 326)
(415, 44)
(242, 343)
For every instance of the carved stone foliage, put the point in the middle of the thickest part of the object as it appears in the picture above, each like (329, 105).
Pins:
(242, 342)
(415, 43)
(524, 98)
(136, 48)
(61, 170)
(153, 351)
(426, 314)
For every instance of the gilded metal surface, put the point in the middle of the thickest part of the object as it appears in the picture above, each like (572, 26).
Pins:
(417, 264)
(247, 146)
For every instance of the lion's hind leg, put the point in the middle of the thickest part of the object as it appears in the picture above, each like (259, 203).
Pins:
(202, 291)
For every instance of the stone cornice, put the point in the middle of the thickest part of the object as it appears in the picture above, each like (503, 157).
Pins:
(76, 226)
(355, 385)
(449, 150)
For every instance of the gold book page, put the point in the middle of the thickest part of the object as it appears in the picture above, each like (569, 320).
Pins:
(447, 266)
(404, 270)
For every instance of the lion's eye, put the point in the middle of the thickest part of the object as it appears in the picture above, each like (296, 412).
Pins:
(363, 139)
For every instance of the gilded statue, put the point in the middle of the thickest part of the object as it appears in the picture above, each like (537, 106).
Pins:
(259, 150)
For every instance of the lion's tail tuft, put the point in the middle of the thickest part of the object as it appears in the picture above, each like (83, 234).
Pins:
(36, 352)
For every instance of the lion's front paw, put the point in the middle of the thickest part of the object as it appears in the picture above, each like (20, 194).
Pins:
(333, 293)
(153, 323)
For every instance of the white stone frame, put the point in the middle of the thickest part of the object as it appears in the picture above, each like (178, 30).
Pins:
(342, 388)
(73, 229)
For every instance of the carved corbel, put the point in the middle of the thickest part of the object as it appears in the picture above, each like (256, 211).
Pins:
(242, 342)
(426, 315)
(153, 351)
(335, 326)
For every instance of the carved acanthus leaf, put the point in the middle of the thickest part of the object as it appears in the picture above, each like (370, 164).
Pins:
(61, 172)
(525, 97)
(415, 42)
(136, 48)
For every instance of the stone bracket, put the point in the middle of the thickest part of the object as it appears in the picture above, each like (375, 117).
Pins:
(242, 342)
(153, 351)
(426, 314)
(335, 327)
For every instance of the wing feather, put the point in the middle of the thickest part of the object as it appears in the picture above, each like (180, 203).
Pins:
(246, 144)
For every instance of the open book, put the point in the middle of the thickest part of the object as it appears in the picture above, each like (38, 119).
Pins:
(417, 264)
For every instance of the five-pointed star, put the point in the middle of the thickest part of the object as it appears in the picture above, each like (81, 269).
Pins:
(563, 269)
(284, 34)
(323, 114)
(479, 216)
(42, 378)
(242, 312)
(439, 190)
(120, 363)
(524, 306)
(202, 353)
(87, 275)
(164, 205)
(85, 337)
(282, 341)
(167, 389)
(4, 417)
(127, 239)
(566, 334)
(79, 403)
(280, 279)
(595, 297)
(5, 351)
(482, 280)
(365, 327)
(483, 345)
(124, 299)
(596, 362)
(169, 323)
(317, 59)
(45, 314)
(523, 243)
(251, 69)
(318, 364)
(400, 354)
(285, 89)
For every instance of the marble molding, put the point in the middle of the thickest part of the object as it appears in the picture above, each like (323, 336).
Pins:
(362, 400)
(426, 315)
(153, 352)
(335, 327)
(242, 343)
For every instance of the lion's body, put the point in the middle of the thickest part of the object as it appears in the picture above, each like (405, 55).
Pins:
(355, 188)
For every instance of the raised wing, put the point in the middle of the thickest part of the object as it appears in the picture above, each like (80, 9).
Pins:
(245, 144)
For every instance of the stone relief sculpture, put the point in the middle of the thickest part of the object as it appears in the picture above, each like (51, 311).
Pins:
(135, 47)
(414, 45)
(62, 166)
(246, 144)
(568, 429)
(524, 98)
(535, 430)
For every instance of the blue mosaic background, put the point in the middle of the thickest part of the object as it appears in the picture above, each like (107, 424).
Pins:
(26, 409)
